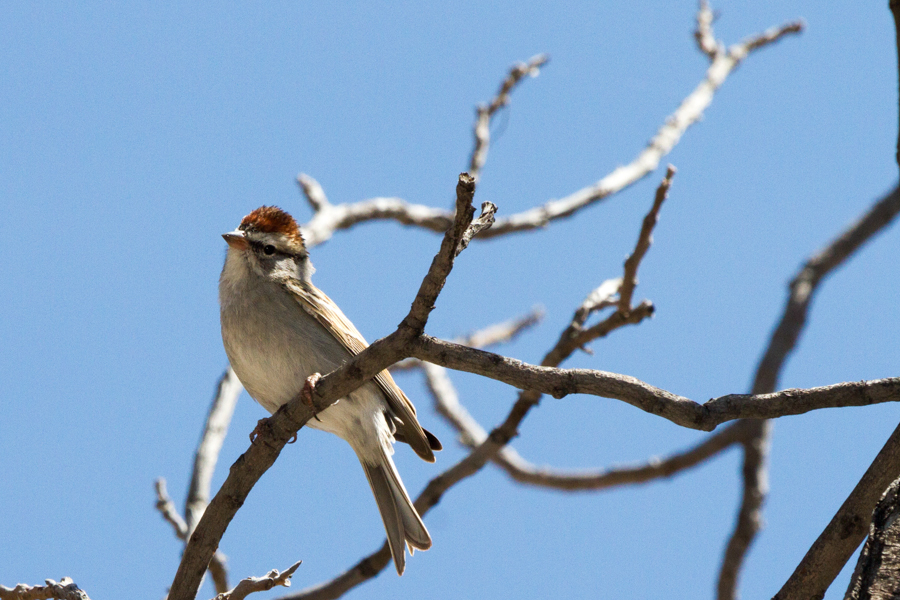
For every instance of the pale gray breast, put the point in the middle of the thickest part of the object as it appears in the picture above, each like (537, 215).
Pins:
(272, 343)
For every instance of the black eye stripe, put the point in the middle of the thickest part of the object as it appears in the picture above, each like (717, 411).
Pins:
(267, 249)
(270, 250)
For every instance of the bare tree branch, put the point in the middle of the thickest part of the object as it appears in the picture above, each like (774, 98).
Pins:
(452, 244)
(221, 410)
(485, 112)
(877, 573)
(482, 223)
(706, 40)
(247, 586)
(688, 113)
(64, 590)
(560, 382)
(315, 195)
(783, 341)
(804, 284)
(336, 217)
(492, 335)
(655, 468)
(838, 541)
(645, 238)
(331, 218)
(502, 333)
(228, 390)
(218, 566)
(218, 570)
(167, 509)
(847, 528)
(472, 434)
(678, 409)
(328, 218)
(754, 479)
(574, 337)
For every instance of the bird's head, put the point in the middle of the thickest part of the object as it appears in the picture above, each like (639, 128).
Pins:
(269, 240)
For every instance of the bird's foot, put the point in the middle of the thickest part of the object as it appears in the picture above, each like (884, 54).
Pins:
(309, 389)
(260, 425)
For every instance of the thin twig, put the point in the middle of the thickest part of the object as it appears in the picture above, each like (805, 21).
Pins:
(575, 335)
(706, 40)
(336, 217)
(653, 469)
(485, 112)
(688, 113)
(452, 244)
(167, 509)
(502, 333)
(483, 222)
(645, 239)
(218, 566)
(314, 193)
(249, 585)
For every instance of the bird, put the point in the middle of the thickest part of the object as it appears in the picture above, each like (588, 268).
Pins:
(279, 331)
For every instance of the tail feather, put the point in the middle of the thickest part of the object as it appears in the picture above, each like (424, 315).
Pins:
(401, 521)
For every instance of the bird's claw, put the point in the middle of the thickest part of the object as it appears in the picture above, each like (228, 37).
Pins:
(260, 425)
(306, 395)
(257, 430)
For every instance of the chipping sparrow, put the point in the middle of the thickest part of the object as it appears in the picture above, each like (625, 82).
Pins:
(279, 329)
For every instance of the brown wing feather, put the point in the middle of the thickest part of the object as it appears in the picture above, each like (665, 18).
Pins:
(326, 312)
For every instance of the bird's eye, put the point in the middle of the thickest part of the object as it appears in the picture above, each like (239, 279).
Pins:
(269, 250)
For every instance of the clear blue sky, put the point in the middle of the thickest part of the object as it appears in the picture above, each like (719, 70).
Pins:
(134, 134)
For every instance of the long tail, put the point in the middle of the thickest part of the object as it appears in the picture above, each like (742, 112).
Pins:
(401, 521)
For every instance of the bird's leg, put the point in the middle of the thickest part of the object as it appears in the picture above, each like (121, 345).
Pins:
(307, 393)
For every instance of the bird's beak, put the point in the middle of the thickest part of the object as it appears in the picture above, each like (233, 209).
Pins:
(236, 239)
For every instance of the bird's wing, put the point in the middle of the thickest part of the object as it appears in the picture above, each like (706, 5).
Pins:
(326, 312)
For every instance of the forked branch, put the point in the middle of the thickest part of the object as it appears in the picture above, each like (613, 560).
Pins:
(329, 218)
